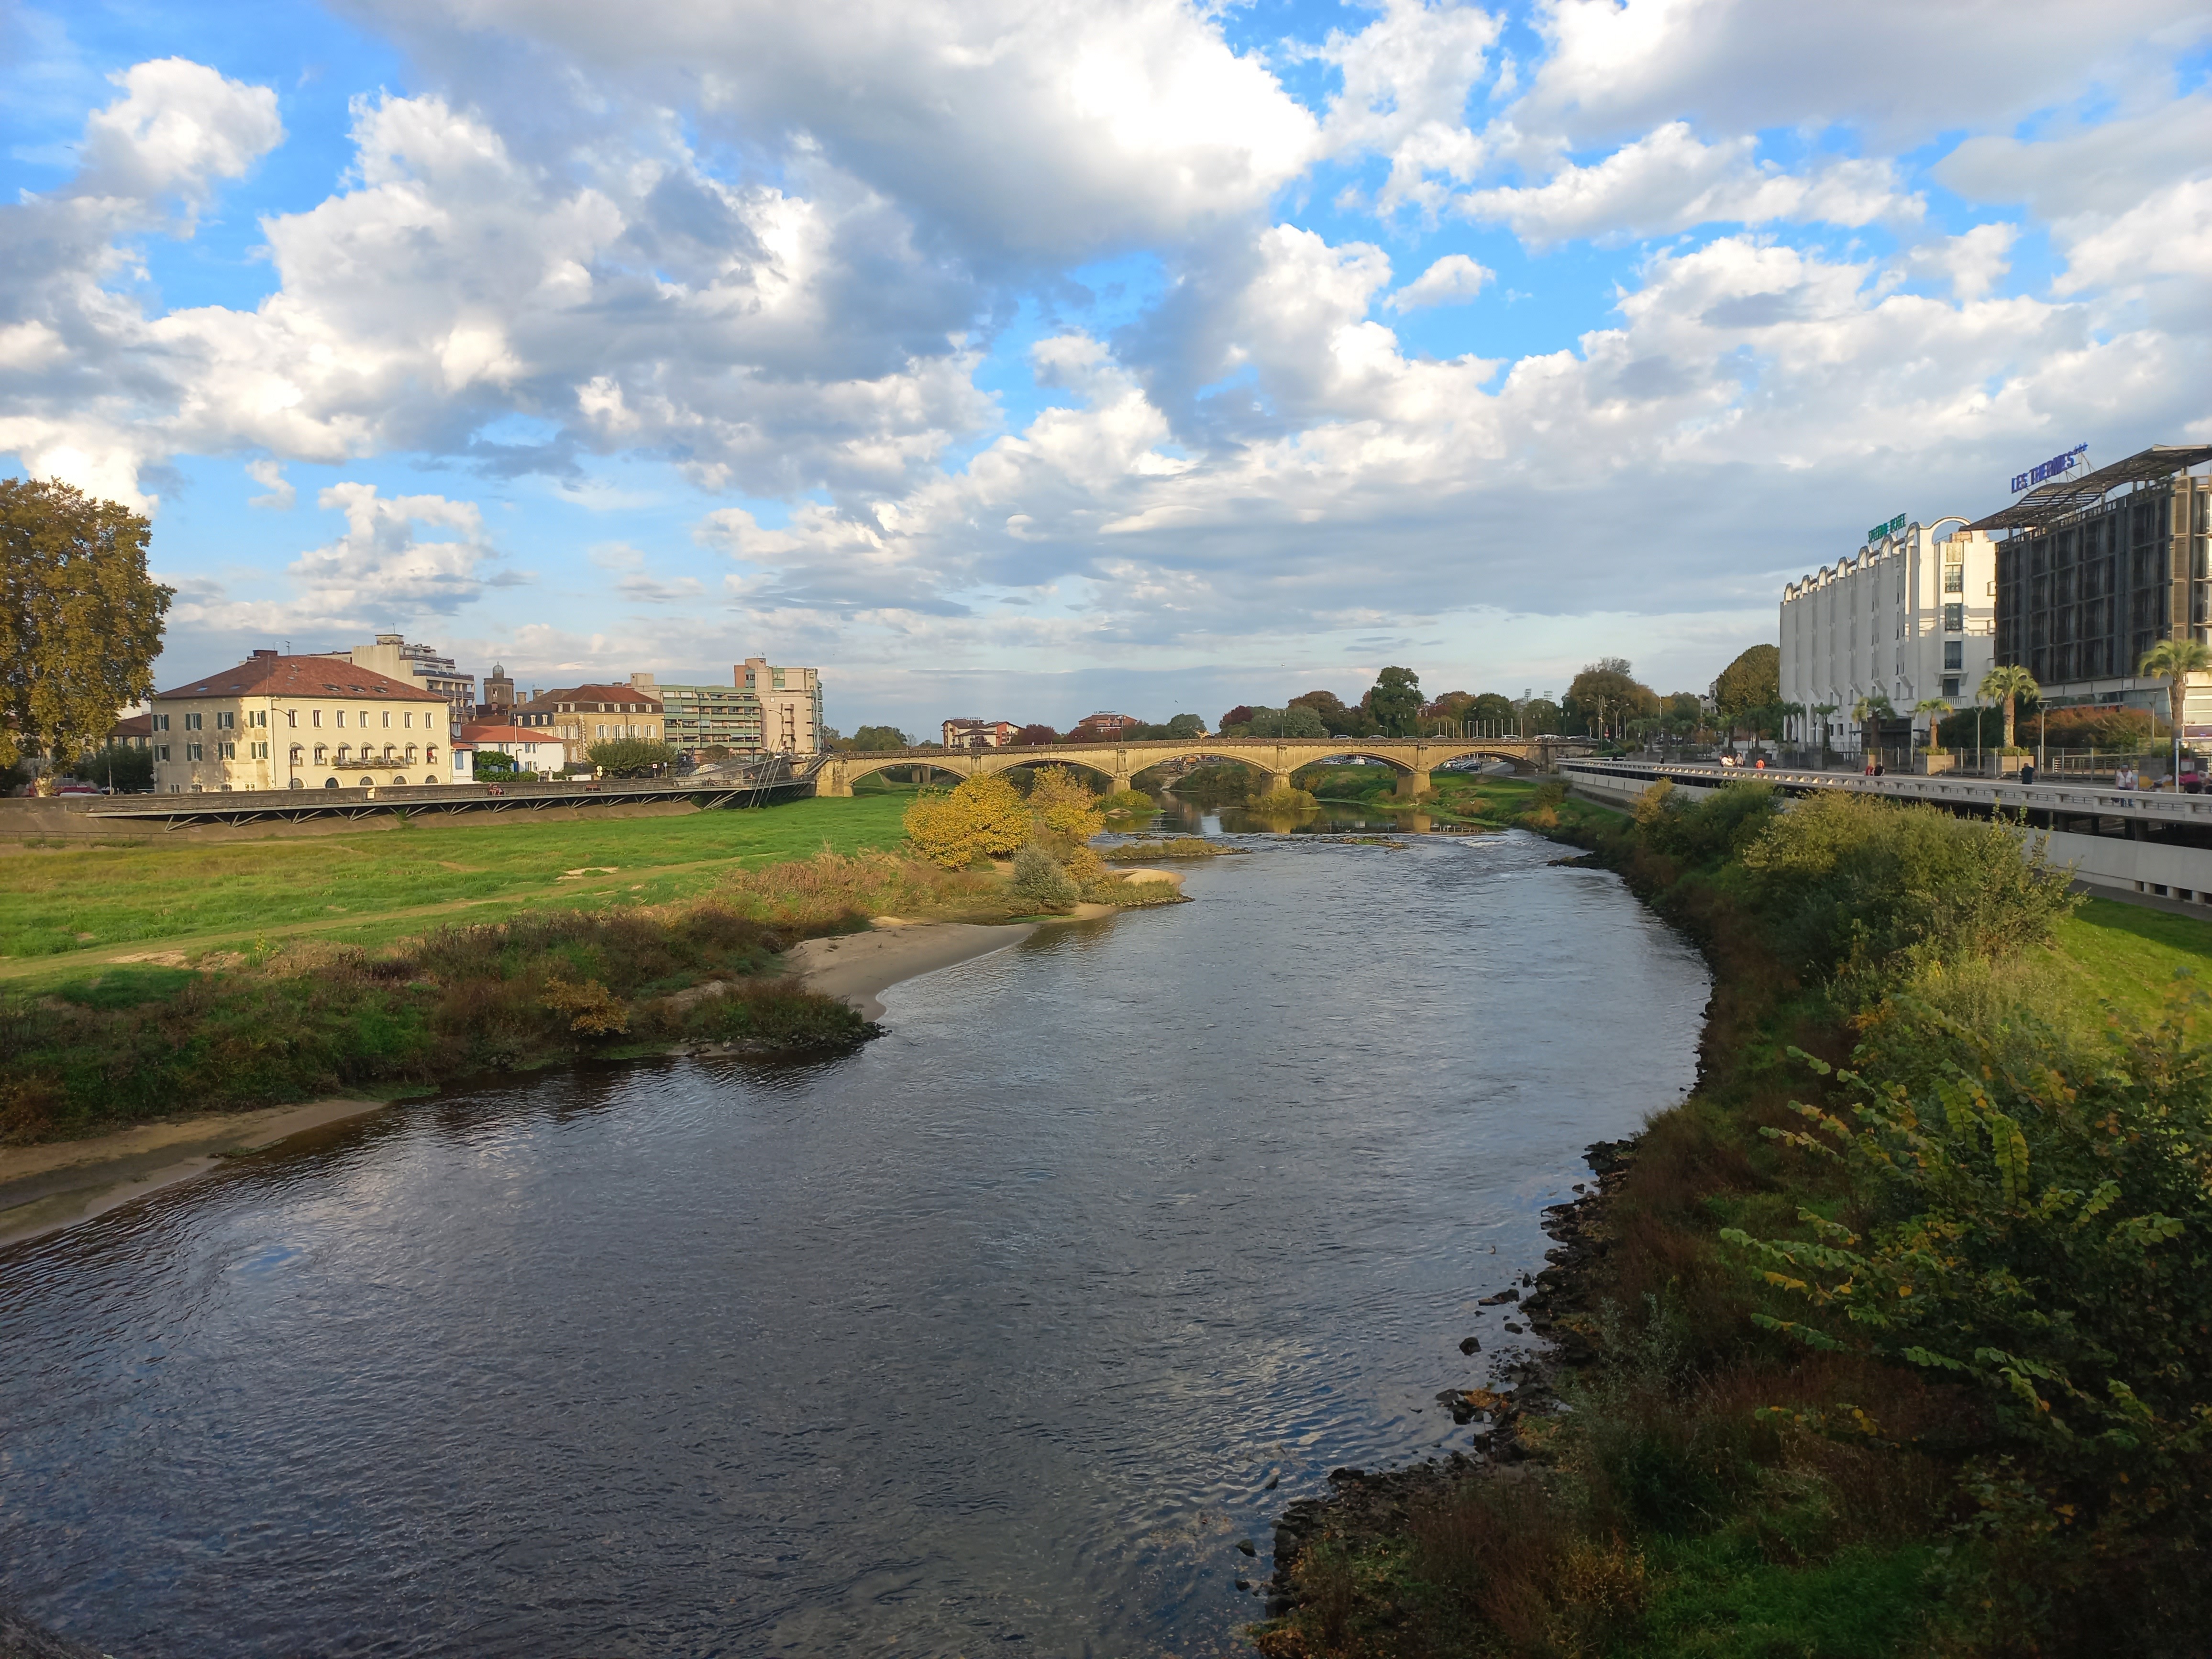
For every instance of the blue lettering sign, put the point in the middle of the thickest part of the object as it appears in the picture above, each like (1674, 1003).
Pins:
(2051, 469)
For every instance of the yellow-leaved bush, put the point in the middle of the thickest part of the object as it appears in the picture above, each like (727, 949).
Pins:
(981, 818)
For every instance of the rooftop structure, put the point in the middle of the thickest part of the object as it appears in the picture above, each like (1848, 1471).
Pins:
(392, 655)
(2098, 567)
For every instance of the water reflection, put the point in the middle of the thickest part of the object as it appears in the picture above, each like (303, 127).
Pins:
(997, 1330)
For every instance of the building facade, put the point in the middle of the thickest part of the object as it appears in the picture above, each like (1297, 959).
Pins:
(532, 749)
(791, 705)
(979, 734)
(1102, 727)
(420, 666)
(497, 703)
(579, 716)
(2097, 568)
(698, 718)
(279, 722)
(1909, 617)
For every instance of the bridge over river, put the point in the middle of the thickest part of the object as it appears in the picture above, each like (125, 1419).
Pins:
(1274, 758)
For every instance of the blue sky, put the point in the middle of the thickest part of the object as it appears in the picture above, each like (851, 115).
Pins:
(1019, 359)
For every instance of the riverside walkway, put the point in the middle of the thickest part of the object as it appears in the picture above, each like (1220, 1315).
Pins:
(2143, 841)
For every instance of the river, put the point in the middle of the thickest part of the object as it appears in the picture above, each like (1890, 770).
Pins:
(1004, 1329)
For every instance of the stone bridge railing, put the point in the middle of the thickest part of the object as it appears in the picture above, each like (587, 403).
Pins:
(1277, 758)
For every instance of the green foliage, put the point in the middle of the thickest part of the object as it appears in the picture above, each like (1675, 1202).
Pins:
(630, 757)
(1608, 692)
(1703, 832)
(1395, 701)
(81, 622)
(1039, 881)
(1858, 887)
(876, 740)
(119, 765)
(494, 764)
(1129, 803)
(1753, 681)
(2040, 1233)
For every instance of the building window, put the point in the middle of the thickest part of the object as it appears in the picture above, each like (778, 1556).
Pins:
(388, 718)
(163, 753)
(291, 717)
(227, 750)
(1955, 655)
(192, 722)
(1955, 578)
(161, 723)
(192, 751)
(1955, 618)
(1951, 685)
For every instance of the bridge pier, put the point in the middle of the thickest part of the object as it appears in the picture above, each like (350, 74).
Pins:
(1279, 783)
(833, 783)
(1413, 784)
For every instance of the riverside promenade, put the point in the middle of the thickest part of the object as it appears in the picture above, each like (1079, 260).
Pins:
(2120, 842)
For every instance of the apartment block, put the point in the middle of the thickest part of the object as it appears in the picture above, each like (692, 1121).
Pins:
(279, 722)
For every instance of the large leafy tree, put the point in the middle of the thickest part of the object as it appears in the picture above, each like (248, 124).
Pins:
(1339, 719)
(1753, 681)
(1395, 701)
(875, 740)
(983, 817)
(1608, 692)
(81, 621)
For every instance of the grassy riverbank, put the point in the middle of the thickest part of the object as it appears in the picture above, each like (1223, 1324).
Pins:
(293, 1019)
(1921, 1373)
(63, 908)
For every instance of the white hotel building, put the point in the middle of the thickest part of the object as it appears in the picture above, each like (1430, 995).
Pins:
(1911, 615)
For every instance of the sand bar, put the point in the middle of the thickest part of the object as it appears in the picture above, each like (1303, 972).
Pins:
(45, 1188)
(854, 967)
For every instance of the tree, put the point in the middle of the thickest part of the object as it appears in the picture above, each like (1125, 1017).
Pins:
(1540, 717)
(630, 757)
(2007, 682)
(1395, 701)
(1239, 715)
(117, 766)
(1065, 813)
(1820, 711)
(2173, 661)
(1874, 706)
(983, 818)
(1935, 708)
(876, 740)
(81, 621)
(495, 764)
(1186, 726)
(1753, 681)
(1491, 710)
(1337, 718)
(1606, 693)
(1035, 736)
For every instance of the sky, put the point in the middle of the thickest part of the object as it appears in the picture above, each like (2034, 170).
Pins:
(1020, 358)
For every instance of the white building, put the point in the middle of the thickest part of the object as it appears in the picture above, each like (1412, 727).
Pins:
(278, 722)
(1912, 616)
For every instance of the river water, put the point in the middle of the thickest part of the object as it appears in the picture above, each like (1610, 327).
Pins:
(995, 1332)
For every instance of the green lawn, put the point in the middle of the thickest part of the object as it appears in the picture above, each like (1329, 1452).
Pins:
(63, 908)
(2129, 954)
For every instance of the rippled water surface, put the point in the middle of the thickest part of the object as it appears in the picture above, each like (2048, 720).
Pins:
(993, 1332)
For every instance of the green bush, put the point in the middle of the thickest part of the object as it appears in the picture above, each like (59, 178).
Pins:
(2035, 1227)
(1852, 886)
(1718, 827)
(1039, 881)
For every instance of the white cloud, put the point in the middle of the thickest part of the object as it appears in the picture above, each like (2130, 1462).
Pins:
(1972, 263)
(1900, 71)
(2169, 234)
(1453, 280)
(1669, 180)
(1406, 77)
(178, 127)
(270, 475)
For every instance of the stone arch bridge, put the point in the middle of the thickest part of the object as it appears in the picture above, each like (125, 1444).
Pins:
(1274, 758)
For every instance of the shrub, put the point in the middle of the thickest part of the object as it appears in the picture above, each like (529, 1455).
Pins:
(1066, 813)
(589, 1007)
(1129, 803)
(982, 817)
(1709, 831)
(1042, 882)
(1854, 886)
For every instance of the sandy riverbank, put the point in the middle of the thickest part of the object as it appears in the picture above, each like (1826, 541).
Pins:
(855, 967)
(46, 1188)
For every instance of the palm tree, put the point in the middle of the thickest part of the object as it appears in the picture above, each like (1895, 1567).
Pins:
(2174, 661)
(1874, 706)
(1935, 708)
(1824, 709)
(2006, 684)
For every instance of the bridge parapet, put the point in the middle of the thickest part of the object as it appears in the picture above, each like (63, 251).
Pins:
(1413, 758)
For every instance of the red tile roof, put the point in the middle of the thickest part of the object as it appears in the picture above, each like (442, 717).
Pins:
(593, 695)
(301, 676)
(509, 734)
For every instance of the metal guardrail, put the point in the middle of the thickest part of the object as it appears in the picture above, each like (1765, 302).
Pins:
(2141, 805)
(299, 806)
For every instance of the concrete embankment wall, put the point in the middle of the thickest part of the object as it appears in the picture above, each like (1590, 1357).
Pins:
(71, 819)
(2110, 863)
